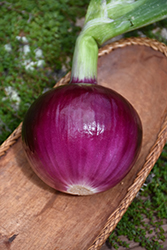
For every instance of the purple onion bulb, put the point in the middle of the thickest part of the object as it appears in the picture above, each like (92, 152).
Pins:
(82, 139)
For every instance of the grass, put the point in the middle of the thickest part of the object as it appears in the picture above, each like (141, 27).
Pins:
(36, 46)
(36, 39)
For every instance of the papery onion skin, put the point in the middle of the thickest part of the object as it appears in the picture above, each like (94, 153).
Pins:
(83, 136)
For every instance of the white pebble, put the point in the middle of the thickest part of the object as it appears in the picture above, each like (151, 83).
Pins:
(26, 49)
(30, 65)
(13, 96)
(8, 47)
(38, 53)
(23, 39)
(164, 33)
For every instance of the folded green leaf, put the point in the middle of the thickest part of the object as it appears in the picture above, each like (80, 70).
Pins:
(106, 19)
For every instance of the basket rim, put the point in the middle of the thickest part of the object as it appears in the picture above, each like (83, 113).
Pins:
(151, 159)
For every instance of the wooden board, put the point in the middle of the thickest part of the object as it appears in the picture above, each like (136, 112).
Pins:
(34, 216)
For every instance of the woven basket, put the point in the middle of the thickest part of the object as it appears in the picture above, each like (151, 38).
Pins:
(137, 69)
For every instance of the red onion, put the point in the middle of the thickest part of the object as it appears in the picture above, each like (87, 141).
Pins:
(81, 139)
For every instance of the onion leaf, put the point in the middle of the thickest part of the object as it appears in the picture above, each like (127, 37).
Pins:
(106, 19)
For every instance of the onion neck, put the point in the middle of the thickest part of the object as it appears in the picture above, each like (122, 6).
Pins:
(84, 67)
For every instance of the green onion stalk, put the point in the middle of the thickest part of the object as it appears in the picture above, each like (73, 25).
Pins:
(105, 20)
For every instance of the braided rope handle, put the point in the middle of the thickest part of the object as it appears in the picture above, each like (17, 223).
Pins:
(152, 43)
(10, 140)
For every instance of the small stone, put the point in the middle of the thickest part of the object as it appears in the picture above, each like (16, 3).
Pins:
(8, 47)
(164, 33)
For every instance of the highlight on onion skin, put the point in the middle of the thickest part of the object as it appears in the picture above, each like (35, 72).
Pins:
(81, 138)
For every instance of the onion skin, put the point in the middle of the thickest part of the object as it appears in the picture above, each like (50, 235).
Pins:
(81, 137)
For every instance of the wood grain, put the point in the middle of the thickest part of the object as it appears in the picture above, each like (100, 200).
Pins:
(34, 216)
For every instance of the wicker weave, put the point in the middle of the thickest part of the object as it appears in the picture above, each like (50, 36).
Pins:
(150, 160)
